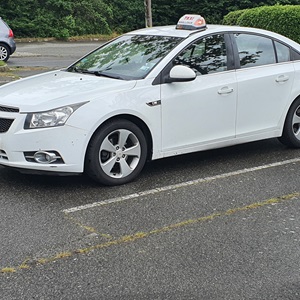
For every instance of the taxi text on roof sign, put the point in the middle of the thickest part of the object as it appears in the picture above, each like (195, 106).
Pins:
(191, 22)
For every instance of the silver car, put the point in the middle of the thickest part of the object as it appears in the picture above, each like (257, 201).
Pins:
(7, 42)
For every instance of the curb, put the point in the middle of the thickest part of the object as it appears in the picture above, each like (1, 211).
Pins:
(4, 68)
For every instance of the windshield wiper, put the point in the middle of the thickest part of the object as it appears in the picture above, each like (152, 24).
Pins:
(97, 73)
(78, 70)
(100, 73)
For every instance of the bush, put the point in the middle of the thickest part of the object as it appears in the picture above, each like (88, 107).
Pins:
(232, 17)
(283, 19)
(64, 18)
(57, 18)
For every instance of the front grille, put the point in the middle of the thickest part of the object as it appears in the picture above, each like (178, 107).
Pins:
(9, 109)
(5, 124)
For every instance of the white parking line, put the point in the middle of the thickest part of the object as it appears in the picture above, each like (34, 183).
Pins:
(179, 185)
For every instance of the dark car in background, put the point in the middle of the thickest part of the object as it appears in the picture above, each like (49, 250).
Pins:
(7, 42)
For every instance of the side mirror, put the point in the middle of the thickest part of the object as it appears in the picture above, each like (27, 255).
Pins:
(181, 74)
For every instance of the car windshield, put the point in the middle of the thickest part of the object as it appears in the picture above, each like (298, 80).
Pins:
(127, 57)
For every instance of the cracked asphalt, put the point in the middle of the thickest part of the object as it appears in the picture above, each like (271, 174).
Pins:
(220, 224)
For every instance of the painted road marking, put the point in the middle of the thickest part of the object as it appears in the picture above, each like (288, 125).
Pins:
(30, 263)
(179, 185)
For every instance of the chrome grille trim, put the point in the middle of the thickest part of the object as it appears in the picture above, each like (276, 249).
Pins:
(29, 156)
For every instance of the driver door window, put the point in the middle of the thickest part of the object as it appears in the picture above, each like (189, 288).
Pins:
(205, 56)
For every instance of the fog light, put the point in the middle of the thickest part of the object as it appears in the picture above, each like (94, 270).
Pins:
(45, 157)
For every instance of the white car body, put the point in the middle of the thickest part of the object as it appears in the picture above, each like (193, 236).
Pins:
(215, 110)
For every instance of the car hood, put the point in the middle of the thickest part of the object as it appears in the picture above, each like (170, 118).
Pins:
(58, 88)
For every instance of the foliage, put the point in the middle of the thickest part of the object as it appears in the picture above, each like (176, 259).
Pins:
(232, 17)
(56, 18)
(64, 18)
(283, 19)
(127, 15)
(213, 11)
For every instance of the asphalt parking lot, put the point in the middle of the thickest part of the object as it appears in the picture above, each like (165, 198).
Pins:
(221, 224)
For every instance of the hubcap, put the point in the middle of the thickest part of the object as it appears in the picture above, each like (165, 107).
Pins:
(296, 123)
(119, 153)
(3, 53)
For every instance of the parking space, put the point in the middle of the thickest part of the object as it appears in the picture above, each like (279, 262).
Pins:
(178, 203)
(131, 217)
(230, 236)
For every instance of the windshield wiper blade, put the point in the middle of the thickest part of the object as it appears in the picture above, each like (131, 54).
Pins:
(78, 70)
(97, 73)
(100, 73)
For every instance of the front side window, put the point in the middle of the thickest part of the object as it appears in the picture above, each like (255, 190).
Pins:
(127, 57)
(205, 56)
(254, 50)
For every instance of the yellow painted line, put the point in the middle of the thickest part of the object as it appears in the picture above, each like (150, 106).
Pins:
(180, 185)
(87, 228)
(141, 235)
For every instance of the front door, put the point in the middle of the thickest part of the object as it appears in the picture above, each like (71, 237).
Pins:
(202, 111)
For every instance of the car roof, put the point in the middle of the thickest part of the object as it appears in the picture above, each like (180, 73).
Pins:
(171, 30)
(211, 28)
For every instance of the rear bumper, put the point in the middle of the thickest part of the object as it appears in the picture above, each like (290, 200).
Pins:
(12, 45)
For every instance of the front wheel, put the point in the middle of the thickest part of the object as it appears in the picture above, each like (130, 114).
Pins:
(116, 153)
(291, 131)
(4, 52)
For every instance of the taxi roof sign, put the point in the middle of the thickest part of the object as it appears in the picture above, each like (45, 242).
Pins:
(191, 22)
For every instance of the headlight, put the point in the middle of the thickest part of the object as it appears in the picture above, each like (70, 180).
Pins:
(51, 118)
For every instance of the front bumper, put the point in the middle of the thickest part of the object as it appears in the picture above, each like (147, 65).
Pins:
(15, 144)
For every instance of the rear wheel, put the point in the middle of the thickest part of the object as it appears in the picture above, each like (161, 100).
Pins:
(4, 52)
(116, 153)
(291, 131)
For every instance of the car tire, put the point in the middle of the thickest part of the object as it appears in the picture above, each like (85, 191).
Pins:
(4, 52)
(116, 153)
(291, 131)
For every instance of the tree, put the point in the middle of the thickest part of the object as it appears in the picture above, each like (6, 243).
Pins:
(148, 13)
(127, 15)
(63, 18)
(58, 18)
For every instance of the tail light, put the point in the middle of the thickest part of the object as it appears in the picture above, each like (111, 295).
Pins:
(10, 33)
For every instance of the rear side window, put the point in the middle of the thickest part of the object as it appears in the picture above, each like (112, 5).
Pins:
(254, 50)
(283, 52)
(295, 55)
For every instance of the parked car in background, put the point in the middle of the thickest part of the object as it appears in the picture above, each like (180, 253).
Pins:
(7, 42)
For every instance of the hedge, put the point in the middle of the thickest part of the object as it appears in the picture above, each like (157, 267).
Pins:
(232, 17)
(283, 19)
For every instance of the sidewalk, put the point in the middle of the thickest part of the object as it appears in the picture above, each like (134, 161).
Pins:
(11, 74)
(38, 57)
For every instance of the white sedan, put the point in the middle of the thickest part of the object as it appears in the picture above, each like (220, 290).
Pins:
(153, 93)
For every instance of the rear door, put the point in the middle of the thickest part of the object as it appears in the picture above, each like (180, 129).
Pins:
(265, 80)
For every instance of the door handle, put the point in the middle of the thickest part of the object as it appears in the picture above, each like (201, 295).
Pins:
(282, 78)
(225, 90)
